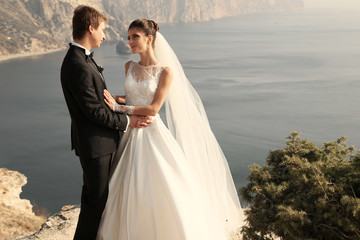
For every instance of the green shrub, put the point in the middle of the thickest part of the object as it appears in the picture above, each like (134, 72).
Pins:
(305, 192)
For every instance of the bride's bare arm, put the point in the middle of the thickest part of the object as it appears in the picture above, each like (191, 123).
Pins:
(119, 99)
(159, 97)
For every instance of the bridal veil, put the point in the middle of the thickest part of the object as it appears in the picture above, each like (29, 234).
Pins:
(188, 123)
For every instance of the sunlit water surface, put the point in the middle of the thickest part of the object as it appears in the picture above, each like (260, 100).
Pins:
(260, 76)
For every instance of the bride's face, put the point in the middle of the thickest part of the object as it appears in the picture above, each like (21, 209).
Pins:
(138, 42)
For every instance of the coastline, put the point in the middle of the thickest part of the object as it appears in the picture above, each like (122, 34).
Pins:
(5, 58)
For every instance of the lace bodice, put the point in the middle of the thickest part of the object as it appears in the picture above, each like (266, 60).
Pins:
(141, 83)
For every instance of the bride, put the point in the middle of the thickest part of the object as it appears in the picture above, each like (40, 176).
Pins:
(169, 183)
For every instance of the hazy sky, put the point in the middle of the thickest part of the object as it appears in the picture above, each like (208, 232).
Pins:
(332, 4)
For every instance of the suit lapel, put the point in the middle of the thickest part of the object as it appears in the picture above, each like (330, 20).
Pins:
(94, 66)
(89, 61)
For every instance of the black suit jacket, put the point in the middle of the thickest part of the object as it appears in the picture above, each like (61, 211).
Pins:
(95, 129)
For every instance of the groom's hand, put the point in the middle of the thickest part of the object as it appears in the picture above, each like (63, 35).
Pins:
(139, 121)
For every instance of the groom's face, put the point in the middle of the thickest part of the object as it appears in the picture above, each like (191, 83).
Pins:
(98, 35)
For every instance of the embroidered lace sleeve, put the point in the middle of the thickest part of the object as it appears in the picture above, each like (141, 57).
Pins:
(129, 110)
(110, 101)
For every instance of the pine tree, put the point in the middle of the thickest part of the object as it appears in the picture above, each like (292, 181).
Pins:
(305, 192)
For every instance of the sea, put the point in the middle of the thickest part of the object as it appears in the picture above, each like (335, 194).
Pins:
(260, 76)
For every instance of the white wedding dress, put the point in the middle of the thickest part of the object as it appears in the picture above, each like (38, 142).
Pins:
(154, 192)
(169, 184)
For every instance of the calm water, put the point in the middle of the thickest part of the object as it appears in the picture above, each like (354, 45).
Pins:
(260, 76)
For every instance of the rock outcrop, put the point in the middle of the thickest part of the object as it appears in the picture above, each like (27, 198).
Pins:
(18, 220)
(60, 226)
(32, 26)
(37, 25)
(17, 216)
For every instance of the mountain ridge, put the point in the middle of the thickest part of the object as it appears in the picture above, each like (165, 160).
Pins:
(35, 26)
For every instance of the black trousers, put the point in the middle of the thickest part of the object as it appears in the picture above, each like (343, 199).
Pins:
(94, 195)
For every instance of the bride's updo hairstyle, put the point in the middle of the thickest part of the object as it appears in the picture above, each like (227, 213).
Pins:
(149, 27)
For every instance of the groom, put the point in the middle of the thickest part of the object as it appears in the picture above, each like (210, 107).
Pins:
(95, 129)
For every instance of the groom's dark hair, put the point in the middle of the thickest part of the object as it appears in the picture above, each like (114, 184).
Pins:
(84, 16)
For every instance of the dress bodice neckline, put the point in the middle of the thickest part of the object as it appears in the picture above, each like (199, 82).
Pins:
(149, 66)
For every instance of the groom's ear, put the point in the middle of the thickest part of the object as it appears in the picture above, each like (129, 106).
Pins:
(91, 29)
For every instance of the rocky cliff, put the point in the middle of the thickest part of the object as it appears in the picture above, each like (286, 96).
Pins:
(36, 25)
(17, 216)
(18, 220)
(60, 226)
(168, 11)
(29, 26)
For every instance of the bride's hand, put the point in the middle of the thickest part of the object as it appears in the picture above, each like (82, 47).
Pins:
(109, 100)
